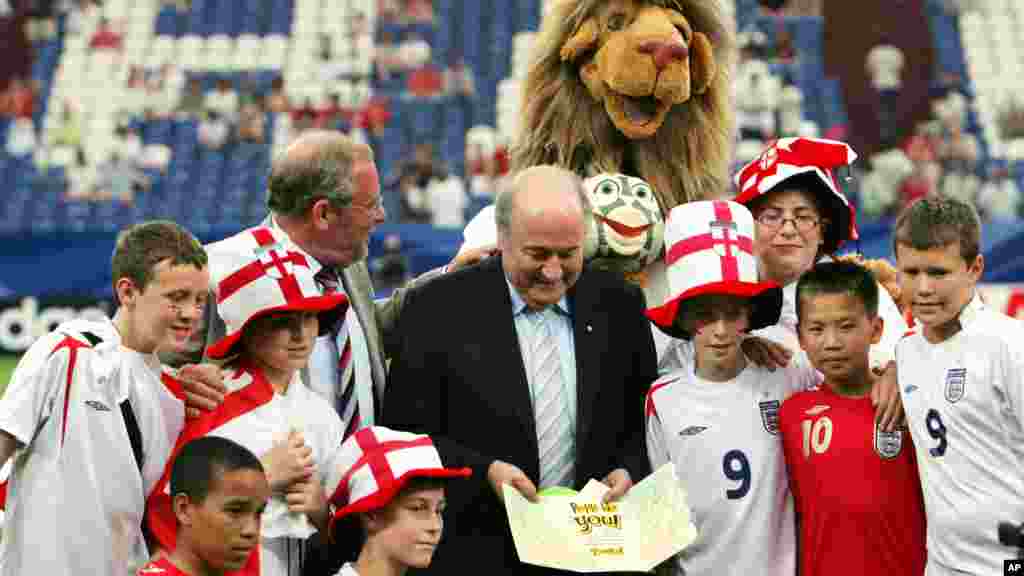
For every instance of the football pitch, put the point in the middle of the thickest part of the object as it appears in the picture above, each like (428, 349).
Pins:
(7, 364)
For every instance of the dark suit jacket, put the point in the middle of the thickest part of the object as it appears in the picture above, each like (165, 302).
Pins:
(460, 377)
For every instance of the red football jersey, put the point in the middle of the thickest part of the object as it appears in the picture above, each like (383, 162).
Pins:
(160, 567)
(857, 491)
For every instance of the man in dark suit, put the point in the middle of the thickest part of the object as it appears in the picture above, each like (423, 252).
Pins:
(528, 368)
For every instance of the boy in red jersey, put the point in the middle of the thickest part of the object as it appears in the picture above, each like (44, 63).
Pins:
(856, 487)
(219, 490)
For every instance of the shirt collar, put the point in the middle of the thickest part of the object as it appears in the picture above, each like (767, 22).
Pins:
(519, 305)
(970, 312)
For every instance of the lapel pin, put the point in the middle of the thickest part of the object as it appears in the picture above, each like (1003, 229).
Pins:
(590, 328)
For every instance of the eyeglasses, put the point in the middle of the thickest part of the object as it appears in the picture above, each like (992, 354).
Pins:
(776, 219)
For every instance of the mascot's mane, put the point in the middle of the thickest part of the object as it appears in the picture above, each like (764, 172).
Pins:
(687, 158)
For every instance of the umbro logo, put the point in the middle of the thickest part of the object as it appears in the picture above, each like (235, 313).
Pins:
(692, 430)
(99, 406)
(909, 389)
(818, 409)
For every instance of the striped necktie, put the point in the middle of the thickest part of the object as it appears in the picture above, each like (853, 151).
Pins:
(348, 404)
(554, 433)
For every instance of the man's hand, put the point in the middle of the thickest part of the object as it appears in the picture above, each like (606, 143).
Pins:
(885, 397)
(288, 462)
(203, 386)
(766, 353)
(307, 497)
(472, 256)
(499, 473)
(618, 483)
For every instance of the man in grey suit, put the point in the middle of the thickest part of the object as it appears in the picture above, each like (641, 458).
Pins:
(324, 195)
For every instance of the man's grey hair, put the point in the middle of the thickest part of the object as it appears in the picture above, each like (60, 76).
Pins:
(317, 165)
(507, 188)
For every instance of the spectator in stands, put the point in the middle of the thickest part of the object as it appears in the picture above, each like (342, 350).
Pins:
(420, 11)
(757, 93)
(332, 115)
(414, 52)
(458, 79)
(120, 179)
(252, 122)
(21, 138)
(391, 269)
(277, 100)
(127, 143)
(885, 69)
(790, 110)
(374, 116)
(224, 100)
(19, 99)
(415, 202)
(303, 117)
(999, 196)
(1011, 118)
(386, 58)
(68, 131)
(192, 101)
(213, 130)
(389, 11)
(106, 37)
(448, 203)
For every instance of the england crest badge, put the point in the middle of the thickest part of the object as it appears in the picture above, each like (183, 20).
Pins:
(888, 444)
(770, 415)
(956, 384)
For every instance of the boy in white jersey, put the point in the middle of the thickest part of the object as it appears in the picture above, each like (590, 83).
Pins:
(220, 490)
(718, 422)
(273, 311)
(85, 412)
(801, 217)
(961, 375)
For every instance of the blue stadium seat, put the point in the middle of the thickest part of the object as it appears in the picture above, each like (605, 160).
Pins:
(280, 17)
(470, 25)
(167, 22)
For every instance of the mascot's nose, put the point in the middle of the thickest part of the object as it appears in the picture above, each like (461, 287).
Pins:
(664, 52)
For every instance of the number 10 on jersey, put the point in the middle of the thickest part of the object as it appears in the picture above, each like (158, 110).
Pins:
(817, 435)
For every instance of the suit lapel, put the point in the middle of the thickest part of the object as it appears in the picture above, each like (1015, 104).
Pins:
(506, 355)
(589, 337)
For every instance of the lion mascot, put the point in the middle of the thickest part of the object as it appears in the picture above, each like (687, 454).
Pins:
(632, 87)
(638, 87)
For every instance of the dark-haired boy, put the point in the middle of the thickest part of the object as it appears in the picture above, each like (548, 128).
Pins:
(219, 491)
(961, 375)
(856, 487)
(88, 421)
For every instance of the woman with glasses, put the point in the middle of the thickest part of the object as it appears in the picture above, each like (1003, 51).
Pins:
(802, 217)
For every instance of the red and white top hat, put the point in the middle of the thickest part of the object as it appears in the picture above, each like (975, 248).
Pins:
(266, 276)
(709, 249)
(376, 463)
(814, 160)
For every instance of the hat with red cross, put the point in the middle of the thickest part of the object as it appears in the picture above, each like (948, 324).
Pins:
(709, 249)
(375, 464)
(262, 273)
(804, 163)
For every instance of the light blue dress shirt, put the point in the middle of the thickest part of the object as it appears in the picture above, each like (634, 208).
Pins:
(526, 331)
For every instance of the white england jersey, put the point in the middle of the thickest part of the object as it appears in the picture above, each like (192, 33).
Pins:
(963, 399)
(75, 496)
(675, 354)
(723, 439)
(256, 417)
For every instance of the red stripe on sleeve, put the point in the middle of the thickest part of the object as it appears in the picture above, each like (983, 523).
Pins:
(72, 345)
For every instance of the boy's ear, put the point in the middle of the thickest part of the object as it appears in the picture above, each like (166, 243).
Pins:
(125, 291)
(877, 328)
(181, 504)
(977, 268)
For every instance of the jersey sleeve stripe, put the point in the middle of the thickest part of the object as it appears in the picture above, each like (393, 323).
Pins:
(650, 409)
(72, 345)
